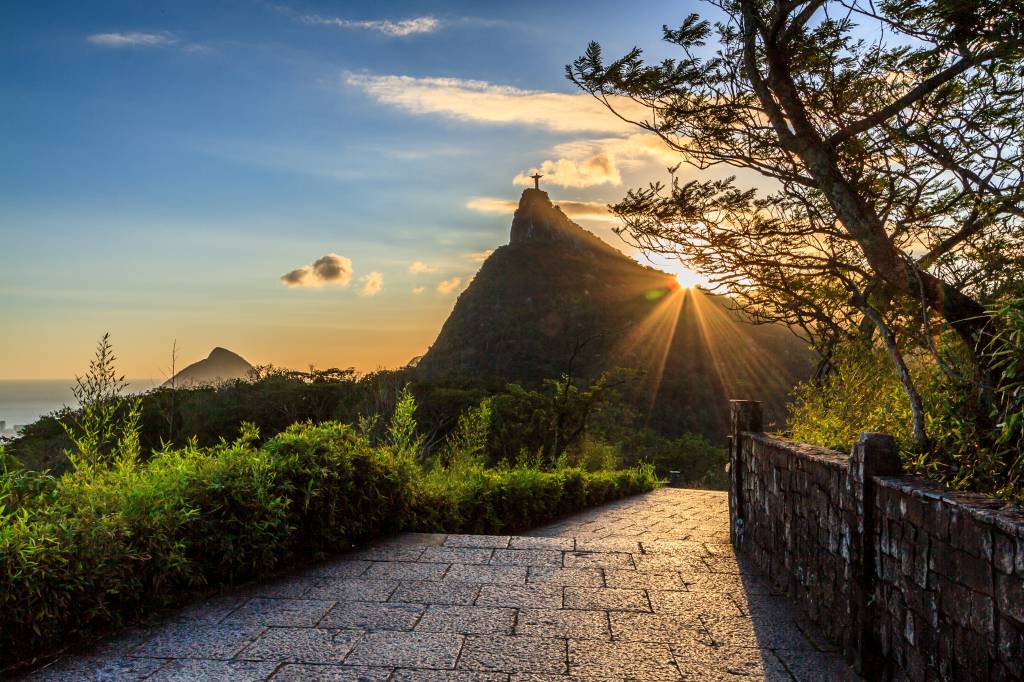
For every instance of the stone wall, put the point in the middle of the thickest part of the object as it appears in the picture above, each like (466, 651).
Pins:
(912, 581)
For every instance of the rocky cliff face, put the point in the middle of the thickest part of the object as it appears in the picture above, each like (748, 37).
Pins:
(557, 293)
(537, 220)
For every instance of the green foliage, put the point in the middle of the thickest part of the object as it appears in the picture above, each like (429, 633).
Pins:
(401, 437)
(1009, 412)
(101, 545)
(505, 499)
(862, 393)
(106, 428)
(467, 444)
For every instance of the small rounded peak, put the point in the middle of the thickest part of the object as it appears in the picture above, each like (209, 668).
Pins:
(533, 199)
(219, 353)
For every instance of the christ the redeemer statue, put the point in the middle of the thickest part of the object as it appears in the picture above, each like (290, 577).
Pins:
(536, 180)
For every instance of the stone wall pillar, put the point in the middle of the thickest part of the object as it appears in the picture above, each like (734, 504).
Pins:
(874, 454)
(745, 415)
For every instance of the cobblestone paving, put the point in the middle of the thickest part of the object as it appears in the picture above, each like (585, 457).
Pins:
(646, 588)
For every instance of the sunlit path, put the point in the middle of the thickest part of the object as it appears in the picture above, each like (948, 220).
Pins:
(644, 589)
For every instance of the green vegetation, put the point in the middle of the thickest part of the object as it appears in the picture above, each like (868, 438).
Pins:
(555, 423)
(113, 537)
(970, 440)
(887, 225)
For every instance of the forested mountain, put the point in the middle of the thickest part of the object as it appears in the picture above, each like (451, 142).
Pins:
(557, 300)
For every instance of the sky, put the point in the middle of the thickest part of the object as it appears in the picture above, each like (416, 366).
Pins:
(303, 183)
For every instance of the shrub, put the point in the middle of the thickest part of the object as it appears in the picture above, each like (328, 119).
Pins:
(100, 546)
(507, 499)
(862, 393)
(108, 543)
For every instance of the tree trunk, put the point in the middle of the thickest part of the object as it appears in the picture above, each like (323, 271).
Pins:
(913, 397)
(965, 315)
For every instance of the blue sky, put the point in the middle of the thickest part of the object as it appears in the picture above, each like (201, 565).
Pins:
(165, 163)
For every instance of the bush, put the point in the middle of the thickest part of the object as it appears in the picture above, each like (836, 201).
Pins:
(504, 500)
(100, 546)
(107, 543)
(966, 451)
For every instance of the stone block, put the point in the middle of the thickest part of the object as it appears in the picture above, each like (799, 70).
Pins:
(1010, 642)
(491, 541)
(527, 557)
(467, 620)
(1002, 552)
(955, 602)
(541, 596)
(606, 598)
(514, 654)
(457, 555)
(577, 577)
(281, 612)
(629, 660)
(306, 672)
(440, 592)
(493, 575)
(531, 542)
(406, 650)
(190, 640)
(355, 615)
(563, 623)
(1010, 596)
(213, 671)
(302, 645)
(405, 570)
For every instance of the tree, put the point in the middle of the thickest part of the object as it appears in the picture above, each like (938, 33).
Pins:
(894, 162)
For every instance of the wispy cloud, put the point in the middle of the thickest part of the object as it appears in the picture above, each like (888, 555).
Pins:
(579, 210)
(140, 39)
(371, 284)
(483, 102)
(585, 163)
(419, 267)
(481, 256)
(393, 29)
(449, 285)
(580, 163)
(331, 269)
(419, 290)
(133, 39)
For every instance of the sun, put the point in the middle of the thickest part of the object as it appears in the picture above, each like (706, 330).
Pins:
(687, 278)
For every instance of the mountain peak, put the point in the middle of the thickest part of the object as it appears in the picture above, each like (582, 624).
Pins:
(537, 219)
(219, 353)
(219, 366)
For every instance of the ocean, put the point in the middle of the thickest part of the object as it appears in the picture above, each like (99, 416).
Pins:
(24, 401)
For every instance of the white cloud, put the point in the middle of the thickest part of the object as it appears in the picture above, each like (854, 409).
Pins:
(481, 256)
(578, 210)
(331, 269)
(419, 290)
(419, 267)
(449, 285)
(483, 102)
(134, 39)
(490, 205)
(585, 163)
(372, 284)
(387, 27)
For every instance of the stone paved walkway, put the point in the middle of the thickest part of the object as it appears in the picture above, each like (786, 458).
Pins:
(647, 588)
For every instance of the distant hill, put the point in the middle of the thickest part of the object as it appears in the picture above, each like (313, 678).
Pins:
(221, 365)
(557, 296)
